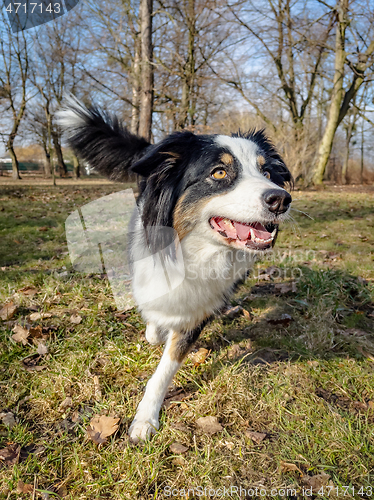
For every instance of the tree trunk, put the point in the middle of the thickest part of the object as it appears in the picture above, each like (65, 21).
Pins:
(77, 167)
(337, 94)
(362, 153)
(15, 164)
(146, 100)
(346, 156)
(63, 171)
(187, 106)
(135, 88)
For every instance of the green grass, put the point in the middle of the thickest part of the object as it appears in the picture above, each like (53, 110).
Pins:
(309, 384)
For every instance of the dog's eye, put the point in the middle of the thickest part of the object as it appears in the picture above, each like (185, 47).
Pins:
(267, 174)
(219, 174)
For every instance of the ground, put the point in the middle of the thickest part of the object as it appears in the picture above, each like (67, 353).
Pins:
(288, 375)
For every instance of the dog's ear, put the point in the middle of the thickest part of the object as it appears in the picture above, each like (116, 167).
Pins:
(273, 160)
(163, 168)
(166, 154)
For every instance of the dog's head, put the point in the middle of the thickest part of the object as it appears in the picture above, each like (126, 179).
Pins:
(231, 188)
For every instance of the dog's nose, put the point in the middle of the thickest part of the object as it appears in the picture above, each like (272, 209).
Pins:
(277, 200)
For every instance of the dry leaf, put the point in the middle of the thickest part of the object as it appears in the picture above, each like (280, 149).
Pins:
(24, 487)
(256, 437)
(37, 315)
(42, 348)
(75, 417)
(29, 290)
(8, 311)
(97, 389)
(246, 314)
(283, 288)
(316, 482)
(44, 228)
(287, 467)
(209, 425)
(101, 427)
(283, 320)
(20, 334)
(180, 426)
(10, 454)
(8, 419)
(178, 461)
(67, 402)
(371, 405)
(31, 363)
(200, 356)
(75, 319)
(233, 312)
(36, 332)
(178, 448)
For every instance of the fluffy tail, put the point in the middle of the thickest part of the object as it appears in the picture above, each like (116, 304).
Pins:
(100, 139)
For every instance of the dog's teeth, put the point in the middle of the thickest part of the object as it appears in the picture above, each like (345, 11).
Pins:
(274, 233)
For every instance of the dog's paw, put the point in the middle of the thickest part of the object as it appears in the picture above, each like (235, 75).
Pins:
(141, 430)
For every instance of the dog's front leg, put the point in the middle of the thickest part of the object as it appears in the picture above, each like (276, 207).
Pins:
(146, 421)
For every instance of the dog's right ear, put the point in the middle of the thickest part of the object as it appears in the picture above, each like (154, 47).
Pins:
(166, 155)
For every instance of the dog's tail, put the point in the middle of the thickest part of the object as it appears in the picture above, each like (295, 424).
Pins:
(100, 139)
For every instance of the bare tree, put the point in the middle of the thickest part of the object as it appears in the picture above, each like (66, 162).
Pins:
(14, 72)
(342, 96)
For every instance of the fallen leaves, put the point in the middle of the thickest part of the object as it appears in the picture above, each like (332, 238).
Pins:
(200, 356)
(283, 320)
(30, 291)
(101, 427)
(209, 425)
(8, 419)
(178, 448)
(317, 482)
(8, 311)
(38, 315)
(10, 454)
(256, 437)
(284, 288)
(20, 334)
(31, 363)
(24, 487)
(75, 319)
(23, 335)
(42, 348)
(288, 467)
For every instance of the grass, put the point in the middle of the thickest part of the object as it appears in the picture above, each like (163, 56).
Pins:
(306, 382)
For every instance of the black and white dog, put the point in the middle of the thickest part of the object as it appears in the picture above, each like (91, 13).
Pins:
(223, 196)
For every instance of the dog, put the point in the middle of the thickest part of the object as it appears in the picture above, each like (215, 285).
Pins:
(222, 196)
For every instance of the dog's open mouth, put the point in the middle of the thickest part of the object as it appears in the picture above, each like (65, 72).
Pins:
(252, 235)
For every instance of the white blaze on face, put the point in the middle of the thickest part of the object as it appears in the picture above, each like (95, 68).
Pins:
(243, 202)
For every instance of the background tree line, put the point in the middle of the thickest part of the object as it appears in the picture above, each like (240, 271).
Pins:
(303, 69)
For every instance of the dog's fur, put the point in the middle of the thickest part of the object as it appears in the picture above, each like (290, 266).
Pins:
(207, 189)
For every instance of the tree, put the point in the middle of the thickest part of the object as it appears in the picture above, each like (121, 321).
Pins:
(14, 72)
(341, 98)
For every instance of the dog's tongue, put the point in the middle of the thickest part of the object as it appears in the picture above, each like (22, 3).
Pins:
(235, 229)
